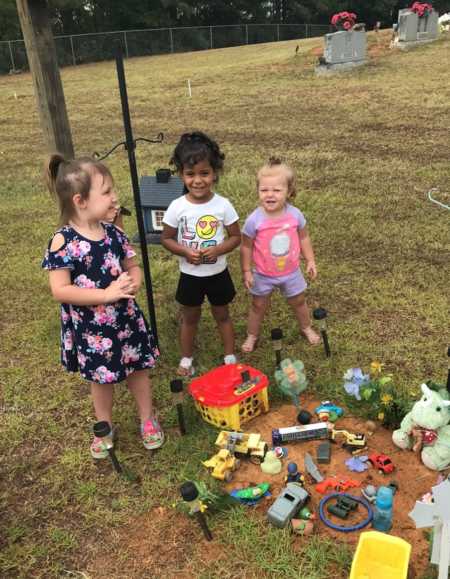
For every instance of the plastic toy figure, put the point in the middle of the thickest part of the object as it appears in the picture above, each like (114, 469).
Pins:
(222, 465)
(328, 412)
(430, 416)
(291, 379)
(293, 475)
(382, 462)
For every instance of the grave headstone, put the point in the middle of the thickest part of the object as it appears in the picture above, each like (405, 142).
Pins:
(343, 49)
(413, 29)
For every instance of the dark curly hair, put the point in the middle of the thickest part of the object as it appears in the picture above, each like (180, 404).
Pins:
(195, 147)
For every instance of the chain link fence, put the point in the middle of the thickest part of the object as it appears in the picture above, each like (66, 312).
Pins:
(84, 48)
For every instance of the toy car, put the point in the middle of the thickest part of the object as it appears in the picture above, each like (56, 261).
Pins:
(244, 444)
(222, 464)
(382, 462)
(328, 411)
(290, 500)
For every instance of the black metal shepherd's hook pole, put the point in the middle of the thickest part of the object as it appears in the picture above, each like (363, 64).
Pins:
(130, 146)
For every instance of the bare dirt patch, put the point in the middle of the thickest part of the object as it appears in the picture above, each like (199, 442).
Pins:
(170, 545)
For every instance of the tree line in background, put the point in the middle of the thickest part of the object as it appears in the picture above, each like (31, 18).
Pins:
(83, 16)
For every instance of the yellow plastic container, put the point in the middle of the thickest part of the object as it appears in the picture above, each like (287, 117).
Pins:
(225, 401)
(380, 556)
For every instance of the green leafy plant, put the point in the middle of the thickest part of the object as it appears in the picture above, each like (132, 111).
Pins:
(378, 395)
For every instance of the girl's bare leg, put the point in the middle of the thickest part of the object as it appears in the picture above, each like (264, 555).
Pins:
(102, 399)
(190, 316)
(222, 316)
(256, 315)
(301, 311)
(140, 386)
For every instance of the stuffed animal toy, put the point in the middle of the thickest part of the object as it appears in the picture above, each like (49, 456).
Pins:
(426, 429)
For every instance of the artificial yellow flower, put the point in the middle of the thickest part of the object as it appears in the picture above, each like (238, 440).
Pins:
(386, 399)
(380, 415)
(375, 367)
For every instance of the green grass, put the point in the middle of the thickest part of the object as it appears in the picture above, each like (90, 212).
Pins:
(366, 146)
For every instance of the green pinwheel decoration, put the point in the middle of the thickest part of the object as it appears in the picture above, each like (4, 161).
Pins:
(291, 379)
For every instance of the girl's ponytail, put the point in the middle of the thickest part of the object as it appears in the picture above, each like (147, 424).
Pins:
(51, 171)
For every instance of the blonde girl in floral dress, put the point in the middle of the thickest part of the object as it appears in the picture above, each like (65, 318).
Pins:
(94, 275)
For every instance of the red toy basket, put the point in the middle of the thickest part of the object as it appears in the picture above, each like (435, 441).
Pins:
(226, 399)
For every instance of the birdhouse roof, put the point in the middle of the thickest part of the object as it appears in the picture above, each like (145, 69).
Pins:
(155, 194)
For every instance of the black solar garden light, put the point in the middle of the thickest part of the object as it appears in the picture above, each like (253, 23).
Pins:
(277, 335)
(320, 315)
(176, 388)
(448, 375)
(103, 430)
(189, 493)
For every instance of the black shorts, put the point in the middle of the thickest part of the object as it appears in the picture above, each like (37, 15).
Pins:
(219, 289)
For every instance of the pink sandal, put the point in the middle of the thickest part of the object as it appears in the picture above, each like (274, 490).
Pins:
(250, 344)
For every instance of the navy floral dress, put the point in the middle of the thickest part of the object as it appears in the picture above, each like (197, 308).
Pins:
(105, 343)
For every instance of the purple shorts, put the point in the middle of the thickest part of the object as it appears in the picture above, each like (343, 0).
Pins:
(290, 285)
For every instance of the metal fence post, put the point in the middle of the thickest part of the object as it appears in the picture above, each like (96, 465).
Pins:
(246, 34)
(74, 61)
(126, 44)
(306, 31)
(210, 37)
(171, 39)
(12, 56)
(278, 32)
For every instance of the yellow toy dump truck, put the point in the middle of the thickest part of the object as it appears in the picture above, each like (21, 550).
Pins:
(243, 444)
(222, 465)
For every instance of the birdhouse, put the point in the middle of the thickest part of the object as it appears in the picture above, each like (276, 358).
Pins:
(157, 192)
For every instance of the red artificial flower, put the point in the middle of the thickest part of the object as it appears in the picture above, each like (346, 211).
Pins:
(344, 19)
(421, 8)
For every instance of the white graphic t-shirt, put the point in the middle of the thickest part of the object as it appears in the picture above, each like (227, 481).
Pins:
(201, 225)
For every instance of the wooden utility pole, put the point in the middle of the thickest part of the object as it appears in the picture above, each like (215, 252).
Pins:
(41, 54)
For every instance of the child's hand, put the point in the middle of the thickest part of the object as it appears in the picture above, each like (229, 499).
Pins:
(248, 279)
(209, 253)
(193, 256)
(119, 289)
(311, 269)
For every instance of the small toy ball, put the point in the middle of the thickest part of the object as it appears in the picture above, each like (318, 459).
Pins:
(280, 451)
(371, 426)
(304, 417)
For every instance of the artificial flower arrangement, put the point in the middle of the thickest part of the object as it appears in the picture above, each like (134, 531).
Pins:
(343, 20)
(421, 8)
(378, 394)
